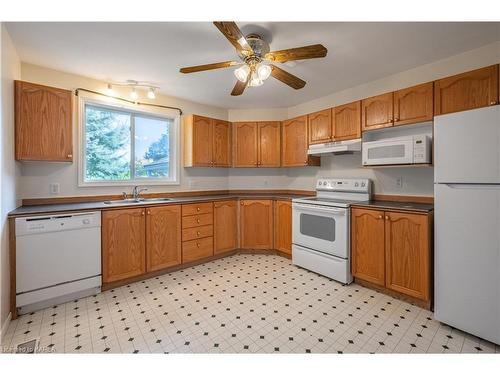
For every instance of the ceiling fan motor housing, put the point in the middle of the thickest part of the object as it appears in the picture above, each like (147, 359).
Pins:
(259, 46)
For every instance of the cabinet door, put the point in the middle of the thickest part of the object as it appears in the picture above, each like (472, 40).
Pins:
(123, 244)
(367, 245)
(475, 89)
(269, 144)
(283, 226)
(346, 121)
(245, 142)
(295, 143)
(202, 141)
(377, 112)
(225, 226)
(320, 126)
(43, 117)
(163, 237)
(407, 253)
(221, 143)
(256, 224)
(414, 104)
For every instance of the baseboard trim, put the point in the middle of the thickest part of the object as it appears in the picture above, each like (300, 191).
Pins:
(5, 326)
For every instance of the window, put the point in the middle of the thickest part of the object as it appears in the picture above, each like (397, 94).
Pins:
(125, 147)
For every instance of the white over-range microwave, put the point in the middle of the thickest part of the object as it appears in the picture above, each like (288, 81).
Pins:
(414, 149)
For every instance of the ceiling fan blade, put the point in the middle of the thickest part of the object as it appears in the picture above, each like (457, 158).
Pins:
(239, 87)
(287, 78)
(232, 32)
(300, 53)
(200, 68)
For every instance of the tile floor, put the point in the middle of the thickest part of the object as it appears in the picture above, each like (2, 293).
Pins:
(240, 304)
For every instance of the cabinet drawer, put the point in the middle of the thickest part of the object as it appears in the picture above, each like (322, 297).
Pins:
(197, 249)
(197, 220)
(197, 208)
(197, 232)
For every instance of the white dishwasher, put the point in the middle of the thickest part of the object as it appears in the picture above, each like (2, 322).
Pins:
(58, 258)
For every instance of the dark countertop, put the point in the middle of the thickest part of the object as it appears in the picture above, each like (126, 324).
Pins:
(391, 205)
(87, 206)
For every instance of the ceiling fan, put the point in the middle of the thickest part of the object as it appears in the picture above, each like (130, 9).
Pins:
(256, 59)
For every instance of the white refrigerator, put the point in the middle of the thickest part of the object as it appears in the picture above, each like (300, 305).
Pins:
(467, 221)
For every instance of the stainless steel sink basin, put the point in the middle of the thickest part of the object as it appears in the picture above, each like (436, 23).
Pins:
(138, 201)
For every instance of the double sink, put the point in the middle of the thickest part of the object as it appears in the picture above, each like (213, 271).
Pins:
(138, 200)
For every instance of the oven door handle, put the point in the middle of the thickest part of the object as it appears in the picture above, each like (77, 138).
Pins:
(330, 210)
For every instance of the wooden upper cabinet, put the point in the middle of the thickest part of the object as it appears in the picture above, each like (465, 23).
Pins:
(283, 226)
(256, 223)
(320, 126)
(408, 254)
(377, 112)
(123, 244)
(414, 104)
(43, 123)
(163, 237)
(474, 89)
(246, 144)
(221, 148)
(225, 226)
(207, 142)
(346, 121)
(269, 142)
(295, 142)
(367, 245)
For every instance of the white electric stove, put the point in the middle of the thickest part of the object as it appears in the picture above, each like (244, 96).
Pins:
(321, 225)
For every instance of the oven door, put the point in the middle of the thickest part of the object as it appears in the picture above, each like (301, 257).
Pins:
(321, 228)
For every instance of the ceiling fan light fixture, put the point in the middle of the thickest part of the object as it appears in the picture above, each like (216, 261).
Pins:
(242, 73)
(264, 71)
(255, 80)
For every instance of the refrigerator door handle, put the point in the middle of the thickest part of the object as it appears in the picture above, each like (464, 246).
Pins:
(472, 186)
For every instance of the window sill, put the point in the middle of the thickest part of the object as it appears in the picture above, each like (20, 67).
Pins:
(130, 183)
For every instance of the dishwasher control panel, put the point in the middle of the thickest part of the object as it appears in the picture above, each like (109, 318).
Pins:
(55, 223)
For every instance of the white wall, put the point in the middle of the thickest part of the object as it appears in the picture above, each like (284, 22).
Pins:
(35, 177)
(10, 70)
(416, 181)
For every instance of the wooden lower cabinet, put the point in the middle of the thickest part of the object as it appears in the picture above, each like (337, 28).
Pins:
(123, 244)
(367, 245)
(197, 231)
(163, 237)
(225, 226)
(197, 249)
(407, 254)
(283, 226)
(392, 249)
(256, 223)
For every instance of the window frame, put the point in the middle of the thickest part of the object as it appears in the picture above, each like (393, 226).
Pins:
(150, 112)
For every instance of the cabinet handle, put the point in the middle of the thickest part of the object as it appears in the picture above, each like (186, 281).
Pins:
(493, 102)
(387, 218)
(142, 213)
(198, 221)
(197, 244)
(198, 233)
(396, 119)
(198, 208)
(69, 156)
(380, 217)
(148, 212)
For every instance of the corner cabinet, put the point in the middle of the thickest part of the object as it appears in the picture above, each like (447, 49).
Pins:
(225, 226)
(43, 123)
(257, 144)
(207, 142)
(474, 89)
(256, 223)
(295, 142)
(393, 250)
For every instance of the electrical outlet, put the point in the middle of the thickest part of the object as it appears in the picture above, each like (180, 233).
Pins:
(399, 182)
(266, 182)
(54, 188)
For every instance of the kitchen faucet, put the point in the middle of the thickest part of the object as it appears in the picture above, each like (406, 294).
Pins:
(136, 191)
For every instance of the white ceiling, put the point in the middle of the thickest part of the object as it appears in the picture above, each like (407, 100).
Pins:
(357, 53)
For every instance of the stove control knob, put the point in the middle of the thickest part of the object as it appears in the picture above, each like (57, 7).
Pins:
(363, 184)
(320, 183)
(356, 184)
